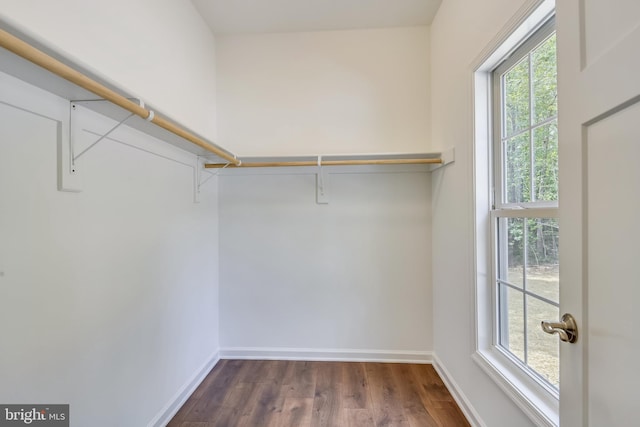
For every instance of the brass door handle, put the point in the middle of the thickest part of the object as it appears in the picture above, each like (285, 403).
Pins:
(567, 328)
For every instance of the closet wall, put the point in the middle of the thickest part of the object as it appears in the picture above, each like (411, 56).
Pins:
(160, 50)
(109, 297)
(324, 92)
(351, 278)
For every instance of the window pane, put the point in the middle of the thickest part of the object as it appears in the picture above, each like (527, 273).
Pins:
(516, 98)
(543, 349)
(542, 258)
(545, 93)
(517, 160)
(512, 321)
(511, 268)
(545, 142)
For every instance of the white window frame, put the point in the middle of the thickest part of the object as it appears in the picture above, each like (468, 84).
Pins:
(536, 398)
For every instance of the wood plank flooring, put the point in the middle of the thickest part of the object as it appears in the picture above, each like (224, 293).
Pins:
(313, 394)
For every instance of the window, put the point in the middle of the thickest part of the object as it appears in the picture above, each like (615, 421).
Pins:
(516, 211)
(525, 204)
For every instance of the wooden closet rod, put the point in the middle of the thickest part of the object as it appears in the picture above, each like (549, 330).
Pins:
(328, 163)
(30, 53)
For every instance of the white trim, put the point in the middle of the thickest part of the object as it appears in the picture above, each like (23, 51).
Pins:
(516, 385)
(461, 399)
(321, 354)
(538, 404)
(175, 403)
(524, 213)
(526, 20)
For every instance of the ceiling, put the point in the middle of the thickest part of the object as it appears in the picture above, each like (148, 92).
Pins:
(270, 16)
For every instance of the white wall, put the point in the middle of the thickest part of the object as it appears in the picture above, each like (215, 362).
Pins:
(460, 32)
(160, 50)
(324, 92)
(108, 298)
(350, 276)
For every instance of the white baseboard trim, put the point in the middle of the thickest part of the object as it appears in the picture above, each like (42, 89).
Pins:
(465, 405)
(175, 403)
(320, 354)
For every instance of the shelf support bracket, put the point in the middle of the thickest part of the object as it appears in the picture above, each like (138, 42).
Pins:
(69, 178)
(447, 156)
(109, 132)
(106, 134)
(202, 176)
(322, 178)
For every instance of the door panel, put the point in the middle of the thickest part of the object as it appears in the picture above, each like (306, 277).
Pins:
(613, 232)
(599, 144)
(608, 22)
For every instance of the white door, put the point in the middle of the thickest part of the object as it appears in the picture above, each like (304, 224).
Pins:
(599, 131)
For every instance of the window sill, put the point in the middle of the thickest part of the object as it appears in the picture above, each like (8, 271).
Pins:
(540, 405)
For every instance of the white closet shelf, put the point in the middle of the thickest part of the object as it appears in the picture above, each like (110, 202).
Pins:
(33, 61)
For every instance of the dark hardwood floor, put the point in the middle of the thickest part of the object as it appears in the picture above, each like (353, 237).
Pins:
(333, 394)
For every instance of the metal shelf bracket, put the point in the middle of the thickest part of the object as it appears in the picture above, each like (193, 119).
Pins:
(74, 106)
(322, 178)
(69, 178)
(201, 177)
(447, 156)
